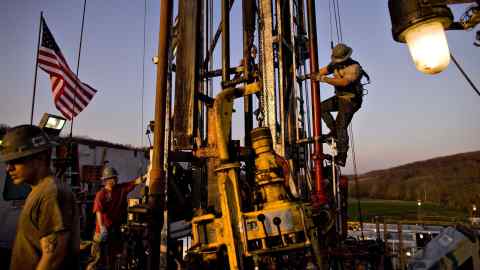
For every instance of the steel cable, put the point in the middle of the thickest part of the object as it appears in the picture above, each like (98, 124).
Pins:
(338, 26)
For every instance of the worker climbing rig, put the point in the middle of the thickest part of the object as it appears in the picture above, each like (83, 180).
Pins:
(271, 201)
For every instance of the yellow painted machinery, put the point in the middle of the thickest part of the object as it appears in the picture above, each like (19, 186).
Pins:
(246, 186)
(277, 226)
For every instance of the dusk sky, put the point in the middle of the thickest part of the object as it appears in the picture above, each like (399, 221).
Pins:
(407, 116)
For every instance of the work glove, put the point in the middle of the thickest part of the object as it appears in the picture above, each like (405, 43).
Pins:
(103, 233)
(322, 78)
(317, 76)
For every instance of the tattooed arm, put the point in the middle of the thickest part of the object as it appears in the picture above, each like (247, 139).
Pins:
(54, 248)
(140, 179)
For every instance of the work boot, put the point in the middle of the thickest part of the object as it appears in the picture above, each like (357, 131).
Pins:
(328, 157)
(340, 159)
(327, 138)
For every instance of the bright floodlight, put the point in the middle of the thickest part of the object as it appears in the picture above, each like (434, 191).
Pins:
(55, 123)
(428, 46)
(52, 124)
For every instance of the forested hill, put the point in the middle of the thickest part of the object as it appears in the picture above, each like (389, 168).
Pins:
(452, 181)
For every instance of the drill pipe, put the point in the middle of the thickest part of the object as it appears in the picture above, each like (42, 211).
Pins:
(157, 174)
(318, 197)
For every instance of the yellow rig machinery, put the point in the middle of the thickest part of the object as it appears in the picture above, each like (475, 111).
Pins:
(270, 202)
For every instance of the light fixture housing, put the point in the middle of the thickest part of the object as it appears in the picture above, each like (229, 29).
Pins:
(421, 24)
(52, 124)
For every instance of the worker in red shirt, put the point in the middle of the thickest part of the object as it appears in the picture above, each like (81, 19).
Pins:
(110, 208)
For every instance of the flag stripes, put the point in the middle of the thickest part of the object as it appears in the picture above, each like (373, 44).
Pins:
(70, 95)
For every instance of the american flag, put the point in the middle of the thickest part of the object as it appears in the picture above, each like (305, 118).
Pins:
(70, 95)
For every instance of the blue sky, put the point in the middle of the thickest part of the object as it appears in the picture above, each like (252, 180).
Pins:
(407, 116)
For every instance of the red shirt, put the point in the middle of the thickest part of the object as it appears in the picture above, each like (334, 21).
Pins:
(112, 204)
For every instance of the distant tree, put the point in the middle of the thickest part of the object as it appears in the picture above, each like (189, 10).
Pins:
(3, 129)
(444, 199)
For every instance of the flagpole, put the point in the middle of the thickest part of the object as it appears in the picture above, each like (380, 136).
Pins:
(78, 66)
(36, 68)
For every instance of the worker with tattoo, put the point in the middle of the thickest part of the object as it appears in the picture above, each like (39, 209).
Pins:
(48, 230)
(110, 208)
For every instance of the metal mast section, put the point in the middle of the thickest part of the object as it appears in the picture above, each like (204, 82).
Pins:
(267, 67)
(253, 205)
(156, 199)
(319, 198)
(283, 53)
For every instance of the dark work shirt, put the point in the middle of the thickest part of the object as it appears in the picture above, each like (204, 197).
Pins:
(49, 208)
(112, 204)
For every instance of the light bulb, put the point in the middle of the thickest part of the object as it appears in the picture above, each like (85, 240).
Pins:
(428, 46)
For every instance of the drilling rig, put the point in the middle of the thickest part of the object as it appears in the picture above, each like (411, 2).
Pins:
(269, 201)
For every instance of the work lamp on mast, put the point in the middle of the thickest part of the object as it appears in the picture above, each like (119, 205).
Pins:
(421, 24)
(52, 124)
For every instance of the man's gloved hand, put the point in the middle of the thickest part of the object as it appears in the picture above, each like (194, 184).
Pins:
(103, 233)
(322, 78)
(315, 76)
(319, 77)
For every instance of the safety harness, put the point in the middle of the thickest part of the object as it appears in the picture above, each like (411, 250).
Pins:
(355, 87)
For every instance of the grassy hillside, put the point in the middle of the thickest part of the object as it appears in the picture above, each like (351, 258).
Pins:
(451, 182)
(403, 210)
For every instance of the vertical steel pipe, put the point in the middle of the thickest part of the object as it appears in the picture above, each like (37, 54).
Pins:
(318, 197)
(157, 174)
(204, 68)
(248, 12)
(225, 40)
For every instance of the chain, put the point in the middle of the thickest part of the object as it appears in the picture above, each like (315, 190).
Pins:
(260, 112)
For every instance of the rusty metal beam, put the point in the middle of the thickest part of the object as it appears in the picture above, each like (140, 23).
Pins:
(318, 197)
(266, 39)
(249, 19)
(186, 109)
(157, 174)
(225, 41)
(218, 72)
(215, 39)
